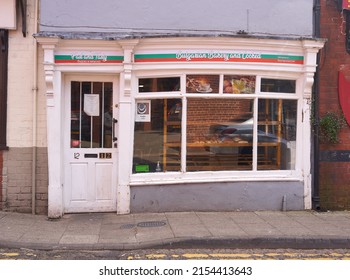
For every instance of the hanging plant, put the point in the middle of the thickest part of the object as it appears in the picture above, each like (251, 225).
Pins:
(330, 125)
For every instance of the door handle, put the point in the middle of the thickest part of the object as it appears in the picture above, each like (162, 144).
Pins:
(114, 122)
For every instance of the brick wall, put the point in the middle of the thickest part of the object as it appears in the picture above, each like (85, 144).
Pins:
(18, 184)
(334, 175)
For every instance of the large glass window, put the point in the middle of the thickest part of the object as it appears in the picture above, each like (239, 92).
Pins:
(229, 125)
(157, 140)
(276, 134)
(219, 134)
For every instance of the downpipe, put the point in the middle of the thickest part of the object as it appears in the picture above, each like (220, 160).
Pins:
(35, 107)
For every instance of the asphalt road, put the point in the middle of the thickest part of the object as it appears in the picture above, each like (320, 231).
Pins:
(176, 254)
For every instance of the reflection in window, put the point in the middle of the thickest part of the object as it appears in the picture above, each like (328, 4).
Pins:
(157, 143)
(159, 84)
(91, 115)
(277, 134)
(239, 84)
(219, 134)
(202, 83)
(275, 85)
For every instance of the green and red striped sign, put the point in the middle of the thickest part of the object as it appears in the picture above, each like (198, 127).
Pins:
(181, 56)
(220, 57)
(88, 58)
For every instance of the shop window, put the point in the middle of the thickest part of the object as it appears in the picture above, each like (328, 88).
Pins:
(219, 134)
(277, 134)
(157, 138)
(224, 131)
(274, 85)
(91, 115)
(159, 84)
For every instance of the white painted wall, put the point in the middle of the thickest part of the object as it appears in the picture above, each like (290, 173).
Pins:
(20, 87)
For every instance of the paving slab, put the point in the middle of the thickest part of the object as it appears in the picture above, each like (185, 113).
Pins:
(259, 229)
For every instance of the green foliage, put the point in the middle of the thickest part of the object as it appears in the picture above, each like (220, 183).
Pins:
(330, 124)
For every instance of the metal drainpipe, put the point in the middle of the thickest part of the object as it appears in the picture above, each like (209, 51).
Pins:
(34, 106)
(316, 190)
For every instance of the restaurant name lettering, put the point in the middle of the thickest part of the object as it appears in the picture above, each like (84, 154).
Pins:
(89, 57)
(216, 55)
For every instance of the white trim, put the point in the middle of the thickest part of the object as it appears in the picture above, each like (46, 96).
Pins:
(176, 178)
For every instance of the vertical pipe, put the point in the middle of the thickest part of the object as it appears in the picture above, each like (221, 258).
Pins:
(316, 104)
(165, 134)
(34, 106)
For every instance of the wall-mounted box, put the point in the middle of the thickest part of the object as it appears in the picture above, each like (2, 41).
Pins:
(8, 14)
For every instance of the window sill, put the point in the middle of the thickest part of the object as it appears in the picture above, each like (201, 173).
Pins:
(171, 178)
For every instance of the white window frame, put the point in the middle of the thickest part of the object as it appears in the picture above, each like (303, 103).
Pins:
(220, 176)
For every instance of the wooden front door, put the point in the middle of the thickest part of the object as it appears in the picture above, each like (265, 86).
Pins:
(91, 110)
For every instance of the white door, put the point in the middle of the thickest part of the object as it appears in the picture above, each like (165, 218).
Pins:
(91, 112)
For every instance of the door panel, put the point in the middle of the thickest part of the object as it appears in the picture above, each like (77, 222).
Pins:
(78, 174)
(90, 154)
(104, 179)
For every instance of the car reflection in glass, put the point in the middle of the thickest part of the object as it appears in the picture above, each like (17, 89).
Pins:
(241, 135)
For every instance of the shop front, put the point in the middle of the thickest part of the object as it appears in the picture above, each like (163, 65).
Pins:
(178, 124)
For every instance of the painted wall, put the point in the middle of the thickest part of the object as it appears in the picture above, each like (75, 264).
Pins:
(263, 17)
(16, 172)
(235, 196)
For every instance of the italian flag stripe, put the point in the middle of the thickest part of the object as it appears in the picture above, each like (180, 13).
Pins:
(95, 59)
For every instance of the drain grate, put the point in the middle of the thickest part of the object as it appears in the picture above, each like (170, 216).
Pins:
(151, 224)
(144, 224)
(127, 226)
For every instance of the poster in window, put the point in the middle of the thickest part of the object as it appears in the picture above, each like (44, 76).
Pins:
(202, 83)
(239, 84)
(92, 105)
(143, 111)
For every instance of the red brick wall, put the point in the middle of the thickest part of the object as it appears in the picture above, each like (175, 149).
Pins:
(1, 166)
(334, 176)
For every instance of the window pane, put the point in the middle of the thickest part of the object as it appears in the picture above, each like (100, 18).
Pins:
(97, 120)
(159, 84)
(239, 84)
(85, 118)
(273, 85)
(108, 115)
(202, 83)
(157, 143)
(277, 134)
(219, 134)
(91, 120)
(75, 114)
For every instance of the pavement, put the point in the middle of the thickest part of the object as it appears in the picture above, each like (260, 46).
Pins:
(241, 230)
